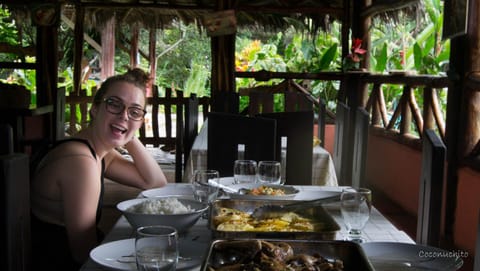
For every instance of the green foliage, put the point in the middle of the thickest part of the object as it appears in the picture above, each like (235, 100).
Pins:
(8, 30)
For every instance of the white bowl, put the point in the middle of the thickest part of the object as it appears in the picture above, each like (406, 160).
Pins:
(182, 222)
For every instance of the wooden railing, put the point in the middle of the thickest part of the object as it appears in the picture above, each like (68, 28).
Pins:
(395, 122)
(409, 112)
(151, 132)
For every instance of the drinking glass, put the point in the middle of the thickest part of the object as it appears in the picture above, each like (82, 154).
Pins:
(356, 205)
(269, 172)
(205, 185)
(156, 248)
(244, 171)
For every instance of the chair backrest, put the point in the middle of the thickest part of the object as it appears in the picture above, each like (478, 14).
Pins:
(227, 131)
(340, 147)
(297, 129)
(262, 98)
(191, 125)
(359, 147)
(15, 195)
(431, 189)
(186, 132)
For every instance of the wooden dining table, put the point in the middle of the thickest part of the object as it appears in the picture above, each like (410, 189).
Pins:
(195, 243)
(323, 169)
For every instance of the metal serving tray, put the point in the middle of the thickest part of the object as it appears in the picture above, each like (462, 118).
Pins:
(317, 213)
(350, 253)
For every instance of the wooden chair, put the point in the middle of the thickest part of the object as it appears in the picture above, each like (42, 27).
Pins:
(297, 128)
(341, 146)
(431, 189)
(227, 131)
(261, 98)
(186, 132)
(359, 147)
(15, 220)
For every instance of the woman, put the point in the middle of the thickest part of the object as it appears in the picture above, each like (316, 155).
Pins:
(67, 183)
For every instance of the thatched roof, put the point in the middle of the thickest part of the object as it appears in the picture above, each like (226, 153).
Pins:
(265, 14)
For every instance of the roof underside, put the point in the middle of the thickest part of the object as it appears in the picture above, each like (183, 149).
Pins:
(261, 14)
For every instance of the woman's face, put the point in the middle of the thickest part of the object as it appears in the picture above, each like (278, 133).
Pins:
(120, 114)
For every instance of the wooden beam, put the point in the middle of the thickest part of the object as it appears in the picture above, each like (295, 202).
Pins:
(86, 37)
(18, 50)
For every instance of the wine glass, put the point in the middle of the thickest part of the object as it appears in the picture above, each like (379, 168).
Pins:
(356, 205)
(269, 172)
(205, 185)
(244, 171)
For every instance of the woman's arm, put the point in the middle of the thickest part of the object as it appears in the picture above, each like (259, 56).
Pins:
(144, 172)
(80, 190)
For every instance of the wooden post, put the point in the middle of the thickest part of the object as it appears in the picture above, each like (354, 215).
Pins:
(134, 46)
(223, 69)
(152, 58)
(108, 49)
(78, 48)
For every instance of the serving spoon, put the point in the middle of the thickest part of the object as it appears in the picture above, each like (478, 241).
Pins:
(274, 211)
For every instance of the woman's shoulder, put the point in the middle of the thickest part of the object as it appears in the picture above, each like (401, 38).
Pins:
(74, 145)
(70, 149)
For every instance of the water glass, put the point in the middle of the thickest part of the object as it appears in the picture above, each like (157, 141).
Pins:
(244, 171)
(156, 248)
(356, 205)
(205, 185)
(269, 172)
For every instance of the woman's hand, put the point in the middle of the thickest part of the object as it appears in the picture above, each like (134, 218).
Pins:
(144, 172)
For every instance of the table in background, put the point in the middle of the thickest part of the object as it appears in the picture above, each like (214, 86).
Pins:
(323, 170)
(378, 228)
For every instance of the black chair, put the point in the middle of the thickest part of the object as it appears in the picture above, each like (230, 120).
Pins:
(15, 196)
(341, 146)
(359, 147)
(191, 125)
(187, 131)
(227, 131)
(431, 189)
(297, 128)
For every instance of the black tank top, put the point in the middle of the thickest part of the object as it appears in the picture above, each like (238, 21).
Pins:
(50, 246)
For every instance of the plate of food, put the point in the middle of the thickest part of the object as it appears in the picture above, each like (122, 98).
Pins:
(263, 191)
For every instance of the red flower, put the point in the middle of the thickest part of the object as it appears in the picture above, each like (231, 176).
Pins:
(357, 50)
(352, 60)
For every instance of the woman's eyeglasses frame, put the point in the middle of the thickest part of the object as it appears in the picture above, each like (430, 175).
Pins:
(117, 107)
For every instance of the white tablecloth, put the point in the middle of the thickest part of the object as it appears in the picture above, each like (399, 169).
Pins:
(323, 170)
(378, 228)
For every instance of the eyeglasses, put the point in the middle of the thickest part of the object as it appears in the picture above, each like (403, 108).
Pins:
(117, 107)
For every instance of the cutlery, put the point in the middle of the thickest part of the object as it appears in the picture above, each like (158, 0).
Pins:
(275, 210)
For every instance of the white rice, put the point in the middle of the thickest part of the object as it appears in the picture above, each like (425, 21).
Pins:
(167, 206)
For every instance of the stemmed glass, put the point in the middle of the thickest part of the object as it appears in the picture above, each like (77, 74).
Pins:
(356, 205)
(205, 185)
(269, 172)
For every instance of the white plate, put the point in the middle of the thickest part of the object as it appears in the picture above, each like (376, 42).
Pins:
(290, 192)
(403, 256)
(179, 190)
(108, 255)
